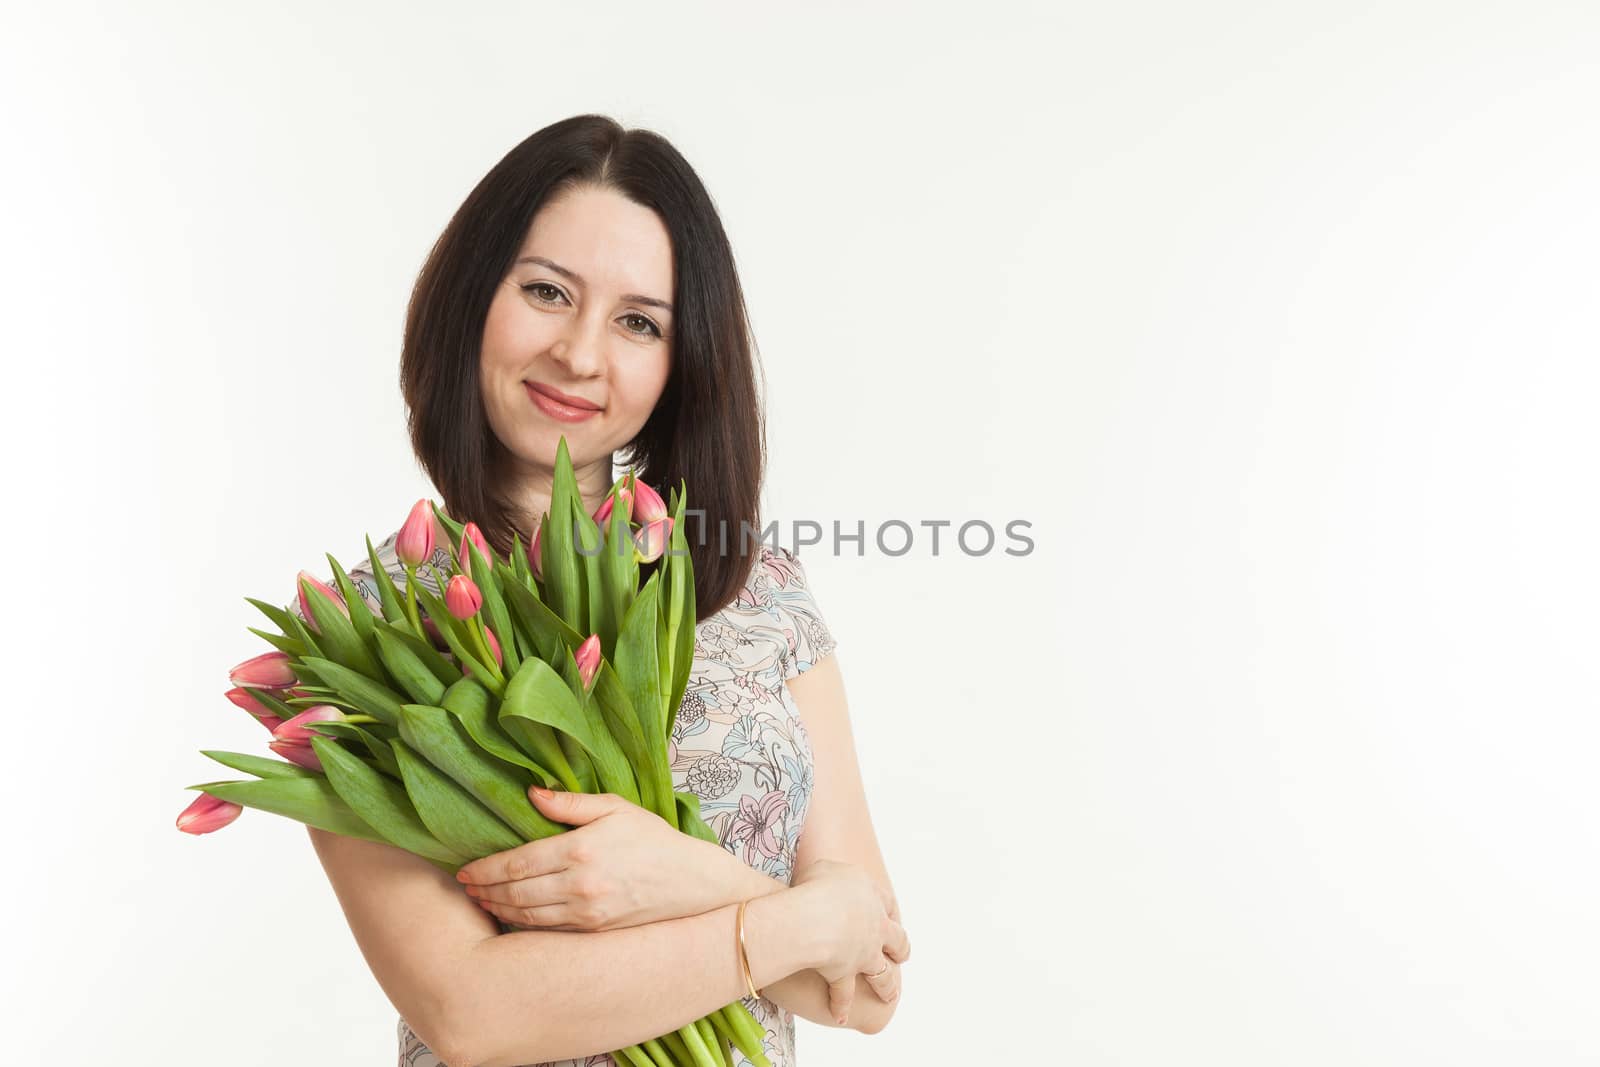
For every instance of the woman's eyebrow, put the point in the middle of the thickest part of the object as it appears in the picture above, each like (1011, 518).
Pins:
(565, 273)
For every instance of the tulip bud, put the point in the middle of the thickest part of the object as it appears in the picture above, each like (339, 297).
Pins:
(533, 551)
(242, 698)
(305, 599)
(414, 545)
(470, 532)
(647, 504)
(602, 514)
(462, 597)
(270, 670)
(207, 813)
(292, 740)
(588, 659)
(650, 540)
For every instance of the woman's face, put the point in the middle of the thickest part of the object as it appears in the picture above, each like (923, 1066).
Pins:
(578, 340)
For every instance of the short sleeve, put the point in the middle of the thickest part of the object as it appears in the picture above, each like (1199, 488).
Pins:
(809, 638)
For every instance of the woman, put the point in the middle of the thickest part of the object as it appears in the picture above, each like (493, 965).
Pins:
(586, 289)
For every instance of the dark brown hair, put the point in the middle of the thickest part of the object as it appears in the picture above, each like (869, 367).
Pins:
(707, 428)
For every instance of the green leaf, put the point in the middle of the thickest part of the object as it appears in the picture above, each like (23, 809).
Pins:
(394, 609)
(279, 617)
(649, 764)
(272, 703)
(382, 803)
(455, 636)
(494, 606)
(442, 668)
(536, 692)
(689, 820)
(681, 613)
(259, 766)
(312, 801)
(519, 561)
(619, 576)
(407, 668)
(449, 812)
(278, 641)
(563, 570)
(500, 786)
(638, 679)
(360, 614)
(375, 739)
(638, 661)
(469, 703)
(337, 637)
(549, 632)
(374, 698)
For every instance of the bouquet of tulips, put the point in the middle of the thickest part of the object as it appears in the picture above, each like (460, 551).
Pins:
(424, 726)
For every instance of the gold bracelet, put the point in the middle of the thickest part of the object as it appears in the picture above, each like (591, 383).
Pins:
(744, 953)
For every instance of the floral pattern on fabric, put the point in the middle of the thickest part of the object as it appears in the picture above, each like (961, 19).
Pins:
(737, 742)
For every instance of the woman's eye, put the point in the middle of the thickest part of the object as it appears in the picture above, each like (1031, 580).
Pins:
(648, 327)
(539, 288)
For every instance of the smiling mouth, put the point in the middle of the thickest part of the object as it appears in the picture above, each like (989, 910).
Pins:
(559, 405)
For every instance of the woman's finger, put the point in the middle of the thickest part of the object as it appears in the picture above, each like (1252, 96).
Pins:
(526, 892)
(529, 860)
(896, 943)
(887, 984)
(545, 917)
(840, 994)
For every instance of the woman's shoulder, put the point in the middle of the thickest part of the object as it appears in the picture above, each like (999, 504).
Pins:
(777, 607)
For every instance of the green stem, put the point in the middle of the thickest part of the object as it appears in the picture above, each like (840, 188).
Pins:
(633, 1055)
(724, 1035)
(697, 1046)
(481, 646)
(679, 1049)
(658, 1055)
(359, 718)
(708, 1035)
(746, 1032)
(411, 602)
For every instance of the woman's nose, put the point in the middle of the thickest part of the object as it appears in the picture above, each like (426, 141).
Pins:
(581, 349)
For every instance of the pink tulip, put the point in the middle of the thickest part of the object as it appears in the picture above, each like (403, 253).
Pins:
(470, 532)
(602, 514)
(292, 740)
(462, 597)
(270, 670)
(207, 813)
(650, 540)
(647, 504)
(588, 659)
(414, 545)
(533, 552)
(306, 579)
(244, 699)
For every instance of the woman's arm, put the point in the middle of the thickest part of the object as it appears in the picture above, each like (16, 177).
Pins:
(805, 993)
(838, 827)
(534, 995)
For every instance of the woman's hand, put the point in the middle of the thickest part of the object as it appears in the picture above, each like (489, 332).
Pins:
(621, 866)
(869, 939)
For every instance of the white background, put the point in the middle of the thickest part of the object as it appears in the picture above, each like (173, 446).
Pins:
(1277, 322)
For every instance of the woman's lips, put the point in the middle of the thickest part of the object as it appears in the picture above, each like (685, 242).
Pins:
(558, 405)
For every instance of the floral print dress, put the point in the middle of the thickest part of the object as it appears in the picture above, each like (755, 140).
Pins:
(738, 743)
